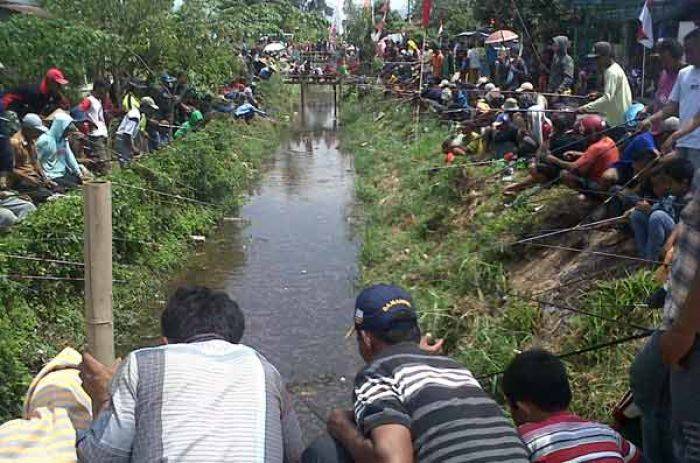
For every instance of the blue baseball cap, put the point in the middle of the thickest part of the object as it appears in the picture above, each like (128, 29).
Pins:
(383, 307)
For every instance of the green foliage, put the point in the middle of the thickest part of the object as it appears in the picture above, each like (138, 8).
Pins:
(31, 45)
(437, 233)
(38, 318)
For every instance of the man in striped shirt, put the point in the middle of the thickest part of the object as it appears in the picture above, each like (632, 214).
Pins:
(410, 405)
(201, 397)
(538, 392)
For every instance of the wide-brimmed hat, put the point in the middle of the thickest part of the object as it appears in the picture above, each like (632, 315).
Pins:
(511, 104)
(444, 83)
(148, 102)
(526, 87)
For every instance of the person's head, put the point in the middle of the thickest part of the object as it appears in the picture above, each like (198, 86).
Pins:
(591, 127)
(563, 121)
(55, 81)
(148, 106)
(670, 53)
(691, 43)
(100, 88)
(660, 184)
(642, 158)
(667, 127)
(195, 312)
(679, 172)
(33, 127)
(182, 78)
(560, 45)
(536, 386)
(384, 316)
(603, 55)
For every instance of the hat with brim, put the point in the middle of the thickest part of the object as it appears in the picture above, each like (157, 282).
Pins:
(383, 307)
(34, 122)
(148, 102)
(56, 75)
(444, 83)
(511, 104)
(525, 87)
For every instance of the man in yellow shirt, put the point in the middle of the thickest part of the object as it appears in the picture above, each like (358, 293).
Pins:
(617, 95)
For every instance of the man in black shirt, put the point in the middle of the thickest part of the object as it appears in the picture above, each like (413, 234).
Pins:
(41, 99)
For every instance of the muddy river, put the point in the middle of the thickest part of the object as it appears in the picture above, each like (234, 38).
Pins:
(289, 260)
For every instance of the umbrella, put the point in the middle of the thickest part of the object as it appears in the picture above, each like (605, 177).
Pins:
(501, 37)
(273, 47)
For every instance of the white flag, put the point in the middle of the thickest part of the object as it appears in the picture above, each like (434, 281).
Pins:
(645, 34)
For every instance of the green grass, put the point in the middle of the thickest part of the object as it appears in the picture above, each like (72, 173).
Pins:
(444, 237)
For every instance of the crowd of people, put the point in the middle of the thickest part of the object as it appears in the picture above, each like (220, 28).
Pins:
(50, 144)
(203, 396)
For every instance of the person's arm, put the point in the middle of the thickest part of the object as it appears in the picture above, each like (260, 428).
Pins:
(680, 133)
(389, 443)
(566, 165)
(111, 435)
(71, 162)
(607, 95)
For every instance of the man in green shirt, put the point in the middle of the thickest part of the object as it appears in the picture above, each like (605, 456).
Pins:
(617, 95)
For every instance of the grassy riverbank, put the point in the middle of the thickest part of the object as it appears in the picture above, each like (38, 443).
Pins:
(152, 233)
(442, 235)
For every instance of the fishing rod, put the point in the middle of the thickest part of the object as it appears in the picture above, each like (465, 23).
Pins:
(511, 92)
(585, 350)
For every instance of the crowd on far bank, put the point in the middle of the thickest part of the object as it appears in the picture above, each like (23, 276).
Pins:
(50, 144)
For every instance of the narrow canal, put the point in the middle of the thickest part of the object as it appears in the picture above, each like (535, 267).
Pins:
(290, 263)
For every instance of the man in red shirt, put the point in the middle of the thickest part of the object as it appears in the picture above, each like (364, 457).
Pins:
(584, 170)
(538, 393)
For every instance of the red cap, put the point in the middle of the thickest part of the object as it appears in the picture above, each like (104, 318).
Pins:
(56, 75)
(589, 125)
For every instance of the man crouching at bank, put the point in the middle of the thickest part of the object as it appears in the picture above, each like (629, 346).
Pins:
(410, 405)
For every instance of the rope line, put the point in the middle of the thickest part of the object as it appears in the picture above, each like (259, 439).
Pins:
(39, 259)
(47, 278)
(169, 195)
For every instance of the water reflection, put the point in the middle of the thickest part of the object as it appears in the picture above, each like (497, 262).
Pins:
(293, 267)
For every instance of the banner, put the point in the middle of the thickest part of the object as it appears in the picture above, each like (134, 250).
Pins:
(645, 33)
(427, 6)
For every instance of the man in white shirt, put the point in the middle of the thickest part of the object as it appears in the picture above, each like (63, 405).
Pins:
(684, 100)
(616, 97)
(94, 114)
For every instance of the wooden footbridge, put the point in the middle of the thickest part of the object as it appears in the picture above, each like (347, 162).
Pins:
(304, 81)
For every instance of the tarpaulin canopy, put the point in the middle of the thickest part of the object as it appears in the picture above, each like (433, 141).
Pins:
(501, 37)
(273, 47)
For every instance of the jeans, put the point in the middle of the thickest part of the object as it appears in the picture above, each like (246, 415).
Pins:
(651, 232)
(325, 449)
(13, 209)
(685, 407)
(692, 155)
(649, 381)
(669, 403)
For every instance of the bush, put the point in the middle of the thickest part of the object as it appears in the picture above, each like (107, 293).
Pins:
(215, 165)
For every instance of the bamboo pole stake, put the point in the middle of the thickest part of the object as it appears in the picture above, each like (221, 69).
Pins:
(98, 271)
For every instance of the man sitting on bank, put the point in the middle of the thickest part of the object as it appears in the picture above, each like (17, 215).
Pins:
(200, 397)
(410, 405)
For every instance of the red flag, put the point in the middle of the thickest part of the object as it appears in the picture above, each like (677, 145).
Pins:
(427, 6)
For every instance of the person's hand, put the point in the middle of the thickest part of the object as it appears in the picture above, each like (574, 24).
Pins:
(430, 345)
(96, 377)
(667, 146)
(643, 206)
(675, 346)
(569, 155)
(339, 420)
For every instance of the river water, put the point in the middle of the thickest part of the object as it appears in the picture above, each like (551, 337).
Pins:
(290, 263)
